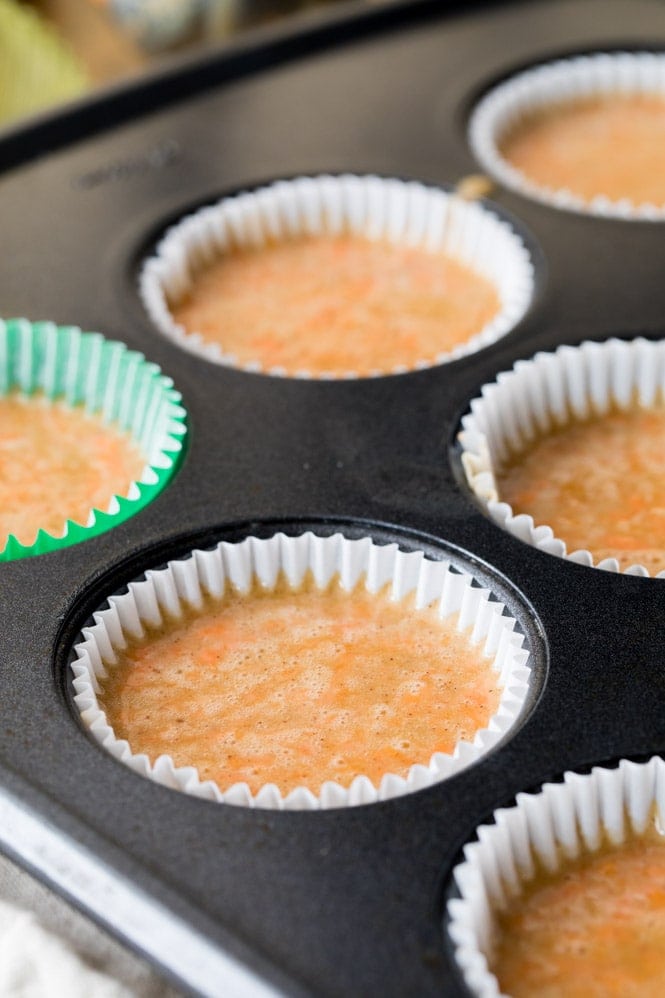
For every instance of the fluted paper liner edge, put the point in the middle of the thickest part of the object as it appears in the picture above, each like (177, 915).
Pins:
(185, 582)
(549, 85)
(556, 825)
(405, 212)
(548, 391)
(107, 378)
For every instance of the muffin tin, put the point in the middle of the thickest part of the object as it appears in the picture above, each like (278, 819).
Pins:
(235, 900)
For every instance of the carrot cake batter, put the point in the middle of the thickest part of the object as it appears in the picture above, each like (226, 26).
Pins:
(57, 463)
(600, 486)
(334, 305)
(296, 687)
(594, 930)
(607, 145)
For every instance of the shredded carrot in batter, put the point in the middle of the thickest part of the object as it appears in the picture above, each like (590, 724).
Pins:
(333, 305)
(611, 145)
(58, 463)
(596, 930)
(599, 484)
(298, 687)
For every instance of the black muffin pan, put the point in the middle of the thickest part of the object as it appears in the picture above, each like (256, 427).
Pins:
(233, 901)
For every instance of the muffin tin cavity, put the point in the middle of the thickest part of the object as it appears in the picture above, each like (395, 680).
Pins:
(571, 387)
(542, 834)
(188, 589)
(360, 215)
(545, 90)
(68, 371)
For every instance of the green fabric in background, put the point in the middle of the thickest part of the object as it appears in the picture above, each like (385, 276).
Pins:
(36, 69)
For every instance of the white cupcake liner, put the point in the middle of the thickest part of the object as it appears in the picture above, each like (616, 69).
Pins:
(165, 592)
(553, 389)
(399, 211)
(548, 829)
(561, 82)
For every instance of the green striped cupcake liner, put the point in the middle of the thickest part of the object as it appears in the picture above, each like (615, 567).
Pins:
(100, 376)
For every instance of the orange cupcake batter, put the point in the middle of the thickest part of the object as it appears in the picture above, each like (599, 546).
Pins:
(296, 687)
(599, 484)
(58, 462)
(331, 305)
(612, 146)
(595, 930)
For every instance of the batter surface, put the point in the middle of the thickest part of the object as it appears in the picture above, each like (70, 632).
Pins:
(331, 305)
(610, 145)
(600, 485)
(595, 929)
(58, 462)
(295, 687)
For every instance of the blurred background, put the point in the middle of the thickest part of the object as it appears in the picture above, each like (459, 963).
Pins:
(54, 50)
